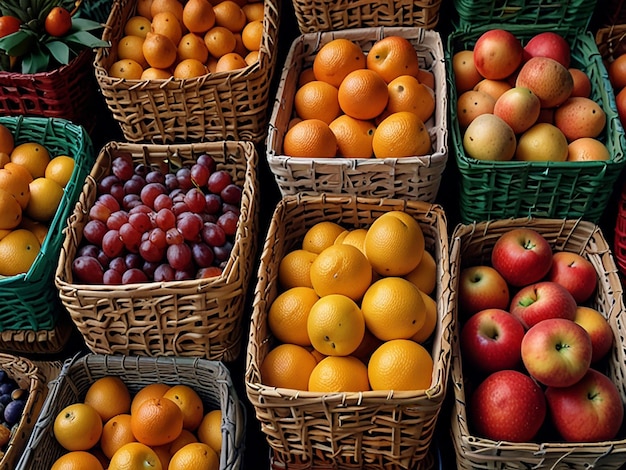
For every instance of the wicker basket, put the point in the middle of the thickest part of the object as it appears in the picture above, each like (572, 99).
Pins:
(321, 15)
(210, 379)
(200, 317)
(217, 106)
(371, 429)
(30, 310)
(499, 190)
(611, 12)
(413, 177)
(472, 244)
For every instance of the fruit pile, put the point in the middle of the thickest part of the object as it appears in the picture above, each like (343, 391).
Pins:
(354, 310)
(160, 427)
(148, 224)
(532, 347)
(617, 77)
(32, 182)
(526, 102)
(358, 105)
(167, 38)
(12, 404)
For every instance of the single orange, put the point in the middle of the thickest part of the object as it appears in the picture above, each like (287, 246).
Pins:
(229, 62)
(354, 136)
(195, 455)
(430, 322)
(32, 156)
(363, 94)
(230, 15)
(401, 134)
(189, 403)
(341, 269)
(167, 24)
(286, 366)
(152, 73)
(77, 426)
(466, 76)
(159, 50)
(130, 47)
(393, 56)
(7, 142)
(321, 235)
(157, 421)
(400, 364)
(252, 35)
(109, 396)
(77, 460)
(137, 26)
(336, 59)
(190, 68)
(294, 269)
(186, 437)
(335, 374)
(617, 72)
(10, 211)
(192, 46)
(406, 93)
(198, 16)
(310, 138)
(210, 430)
(317, 100)
(135, 455)
(219, 41)
(45, 197)
(254, 11)
(60, 169)
(128, 69)
(288, 315)
(16, 183)
(172, 6)
(116, 433)
(154, 390)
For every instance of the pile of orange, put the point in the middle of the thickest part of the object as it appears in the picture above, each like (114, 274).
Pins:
(166, 38)
(161, 427)
(354, 309)
(31, 189)
(356, 105)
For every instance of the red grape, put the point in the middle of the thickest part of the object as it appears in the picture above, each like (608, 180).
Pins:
(200, 174)
(195, 200)
(157, 237)
(207, 161)
(103, 258)
(164, 273)
(118, 263)
(141, 221)
(190, 225)
(111, 277)
(112, 244)
(222, 253)
(171, 182)
(117, 191)
(133, 260)
(130, 236)
(174, 237)
(183, 175)
(104, 186)
(133, 276)
(208, 272)
(94, 231)
(150, 191)
(149, 267)
(155, 176)
(130, 201)
(179, 256)
(150, 252)
(122, 167)
(88, 250)
(213, 234)
(213, 203)
(231, 194)
(99, 211)
(202, 254)
(165, 219)
(231, 208)
(117, 219)
(218, 181)
(163, 201)
(184, 274)
(228, 221)
(87, 269)
(141, 208)
(180, 207)
(142, 169)
(109, 201)
(134, 185)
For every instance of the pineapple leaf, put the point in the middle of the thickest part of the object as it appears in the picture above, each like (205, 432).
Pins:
(86, 39)
(59, 50)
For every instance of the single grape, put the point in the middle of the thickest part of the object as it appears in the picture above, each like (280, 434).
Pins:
(195, 200)
(130, 200)
(112, 244)
(134, 185)
(130, 236)
(133, 260)
(150, 252)
(228, 221)
(118, 263)
(117, 191)
(207, 161)
(117, 219)
(122, 167)
(222, 253)
(87, 250)
(141, 208)
(104, 186)
(103, 259)
(231, 208)
(174, 237)
(202, 255)
(87, 269)
(213, 235)
(208, 272)
(165, 219)
(155, 176)
(213, 203)
(183, 175)
(231, 194)
(189, 225)
(185, 274)
(200, 174)
(171, 182)
(112, 277)
(149, 267)
(99, 211)
(141, 221)
(163, 201)
(157, 237)
(218, 181)
(180, 207)
(134, 276)
(164, 273)
(179, 256)
(141, 169)
(150, 191)
(94, 231)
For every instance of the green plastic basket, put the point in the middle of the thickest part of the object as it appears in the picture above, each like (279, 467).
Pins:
(30, 301)
(499, 190)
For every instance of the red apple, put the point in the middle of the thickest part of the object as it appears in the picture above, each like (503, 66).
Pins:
(543, 300)
(575, 273)
(522, 255)
(591, 410)
(519, 108)
(548, 44)
(482, 287)
(598, 329)
(507, 406)
(491, 340)
(557, 352)
(497, 54)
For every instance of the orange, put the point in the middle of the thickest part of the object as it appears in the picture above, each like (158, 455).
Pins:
(77, 460)
(4, 159)
(18, 251)
(252, 35)
(159, 50)
(430, 322)
(167, 24)
(394, 244)
(585, 149)
(239, 47)
(144, 8)
(40, 230)
(189, 403)
(109, 396)
(186, 437)
(157, 421)
(363, 94)
(77, 426)
(130, 47)
(135, 456)
(336, 59)
(617, 72)
(400, 364)
(152, 73)
(154, 390)
(321, 235)
(400, 135)
(288, 313)
(356, 238)
(393, 308)
(137, 26)
(406, 93)
(230, 15)
(163, 454)
(45, 197)
(286, 366)
(427, 78)
(466, 76)
(33, 156)
(115, 433)
(190, 68)
(341, 269)
(219, 41)
(128, 69)
(310, 138)
(582, 83)
(354, 136)
(317, 100)
(251, 57)
(335, 325)
(7, 142)
(192, 46)
(198, 16)
(229, 62)
(393, 56)
(16, 183)
(60, 169)
(10, 211)
(196, 455)
(254, 11)
(172, 6)
(339, 374)
(424, 276)
(306, 76)
(294, 270)
(210, 430)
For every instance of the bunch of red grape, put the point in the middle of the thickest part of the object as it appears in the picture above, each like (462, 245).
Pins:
(152, 225)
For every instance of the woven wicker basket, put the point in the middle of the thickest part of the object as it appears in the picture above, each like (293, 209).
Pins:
(372, 429)
(499, 190)
(199, 318)
(471, 245)
(611, 12)
(31, 315)
(321, 15)
(217, 106)
(413, 177)
(210, 379)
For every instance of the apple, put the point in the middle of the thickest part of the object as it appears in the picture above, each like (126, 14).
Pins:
(497, 54)
(541, 301)
(574, 272)
(522, 256)
(557, 352)
(548, 44)
(491, 340)
(598, 329)
(482, 287)
(507, 406)
(591, 410)
(519, 107)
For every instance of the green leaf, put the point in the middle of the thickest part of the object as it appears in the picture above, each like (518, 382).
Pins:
(85, 24)
(17, 43)
(35, 62)
(85, 39)
(60, 51)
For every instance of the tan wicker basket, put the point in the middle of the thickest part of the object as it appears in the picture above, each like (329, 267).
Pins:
(472, 244)
(371, 429)
(413, 177)
(322, 15)
(218, 106)
(200, 318)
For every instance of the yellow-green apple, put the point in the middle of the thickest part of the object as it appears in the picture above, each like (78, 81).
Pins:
(482, 287)
(598, 329)
(548, 44)
(557, 352)
(497, 54)
(543, 142)
(591, 410)
(491, 340)
(507, 406)
(519, 107)
(522, 256)
(574, 272)
(542, 300)
(489, 138)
